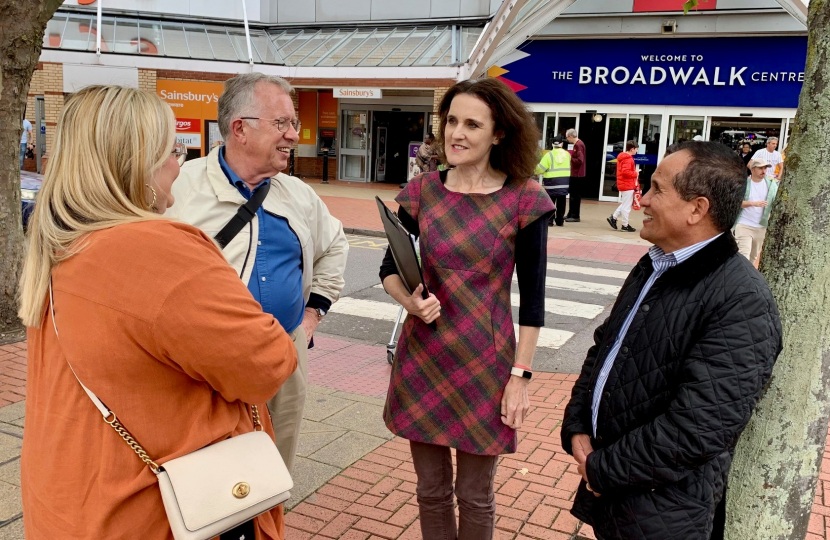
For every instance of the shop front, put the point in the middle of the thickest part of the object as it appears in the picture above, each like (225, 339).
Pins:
(195, 105)
(657, 92)
(368, 129)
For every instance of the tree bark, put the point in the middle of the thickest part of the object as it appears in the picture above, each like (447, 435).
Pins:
(774, 474)
(21, 38)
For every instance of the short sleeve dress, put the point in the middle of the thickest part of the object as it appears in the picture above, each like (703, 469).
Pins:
(447, 382)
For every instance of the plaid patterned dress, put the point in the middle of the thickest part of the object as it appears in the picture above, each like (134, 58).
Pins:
(447, 384)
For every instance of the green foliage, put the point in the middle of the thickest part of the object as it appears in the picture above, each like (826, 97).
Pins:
(690, 4)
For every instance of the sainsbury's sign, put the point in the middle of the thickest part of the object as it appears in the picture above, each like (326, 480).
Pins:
(729, 72)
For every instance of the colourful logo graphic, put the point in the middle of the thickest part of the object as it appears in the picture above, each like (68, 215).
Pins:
(497, 72)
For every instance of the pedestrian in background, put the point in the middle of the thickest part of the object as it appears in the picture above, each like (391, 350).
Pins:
(626, 184)
(427, 156)
(27, 141)
(770, 155)
(459, 379)
(746, 154)
(292, 255)
(751, 228)
(677, 368)
(150, 317)
(555, 169)
(577, 174)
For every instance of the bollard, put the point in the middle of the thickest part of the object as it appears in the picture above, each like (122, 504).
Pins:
(291, 163)
(326, 166)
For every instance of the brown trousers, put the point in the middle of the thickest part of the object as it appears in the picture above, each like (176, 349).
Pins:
(473, 488)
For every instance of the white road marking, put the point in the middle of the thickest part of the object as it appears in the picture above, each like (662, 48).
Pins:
(565, 307)
(579, 286)
(587, 270)
(550, 338)
(559, 307)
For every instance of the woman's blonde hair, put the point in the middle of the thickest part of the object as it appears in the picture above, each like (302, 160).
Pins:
(110, 140)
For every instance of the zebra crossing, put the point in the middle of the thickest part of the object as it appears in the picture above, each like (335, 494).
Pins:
(576, 294)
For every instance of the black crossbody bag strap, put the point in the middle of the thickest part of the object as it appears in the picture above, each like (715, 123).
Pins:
(244, 215)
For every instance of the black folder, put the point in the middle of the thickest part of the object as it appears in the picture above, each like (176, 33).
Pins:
(403, 250)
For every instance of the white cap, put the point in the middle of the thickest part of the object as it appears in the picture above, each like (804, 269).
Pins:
(697, 138)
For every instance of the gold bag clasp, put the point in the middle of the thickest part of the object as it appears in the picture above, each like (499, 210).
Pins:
(241, 490)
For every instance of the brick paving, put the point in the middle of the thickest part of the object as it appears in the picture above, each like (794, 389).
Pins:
(349, 367)
(12, 373)
(374, 497)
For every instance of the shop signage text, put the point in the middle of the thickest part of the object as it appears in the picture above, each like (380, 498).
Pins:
(360, 93)
(190, 140)
(188, 124)
(685, 71)
(172, 97)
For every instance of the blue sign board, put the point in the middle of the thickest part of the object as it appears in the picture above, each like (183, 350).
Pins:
(724, 72)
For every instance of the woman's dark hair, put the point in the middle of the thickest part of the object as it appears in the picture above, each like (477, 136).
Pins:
(714, 172)
(517, 153)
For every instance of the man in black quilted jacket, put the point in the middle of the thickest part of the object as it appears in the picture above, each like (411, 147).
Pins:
(678, 366)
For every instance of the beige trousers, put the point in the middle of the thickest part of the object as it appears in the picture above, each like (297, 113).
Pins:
(750, 240)
(286, 407)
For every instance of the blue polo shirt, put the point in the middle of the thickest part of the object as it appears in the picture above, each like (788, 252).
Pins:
(277, 273)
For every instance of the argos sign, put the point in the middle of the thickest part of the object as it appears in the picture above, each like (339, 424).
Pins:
(191, 125)
(674, 71)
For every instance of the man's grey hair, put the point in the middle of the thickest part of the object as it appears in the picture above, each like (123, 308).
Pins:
(571, 133)
(238, 97)
(772, 139)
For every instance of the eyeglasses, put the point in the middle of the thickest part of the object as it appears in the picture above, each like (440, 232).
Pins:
(180, 153)
(281, 123)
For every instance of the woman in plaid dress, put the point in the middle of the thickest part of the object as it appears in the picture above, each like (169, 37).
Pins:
(462, 382)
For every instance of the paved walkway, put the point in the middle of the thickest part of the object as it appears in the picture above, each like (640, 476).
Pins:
(591, 239)
(354, 479)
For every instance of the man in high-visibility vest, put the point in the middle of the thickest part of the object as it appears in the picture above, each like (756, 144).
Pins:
(555, 169)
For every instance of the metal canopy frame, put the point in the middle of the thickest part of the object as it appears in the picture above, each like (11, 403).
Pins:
(796, 8)
(389, 46)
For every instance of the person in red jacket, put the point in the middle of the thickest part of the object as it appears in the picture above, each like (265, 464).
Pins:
(626, 182)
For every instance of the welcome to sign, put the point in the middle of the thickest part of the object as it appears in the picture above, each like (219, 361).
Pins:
(727, 72)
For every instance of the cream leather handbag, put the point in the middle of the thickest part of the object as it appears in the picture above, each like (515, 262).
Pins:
(214, 489)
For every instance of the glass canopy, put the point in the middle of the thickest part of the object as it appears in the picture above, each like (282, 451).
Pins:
(400, 46)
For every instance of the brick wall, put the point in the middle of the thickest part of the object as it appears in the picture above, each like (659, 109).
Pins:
(313, 167)
(305, 81)
(437, 96)
(147, 79)
(47, 81)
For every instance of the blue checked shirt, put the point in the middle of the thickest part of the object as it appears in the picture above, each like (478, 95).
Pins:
(661, 262)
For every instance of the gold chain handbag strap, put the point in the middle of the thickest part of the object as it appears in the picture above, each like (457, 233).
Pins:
(109, 416)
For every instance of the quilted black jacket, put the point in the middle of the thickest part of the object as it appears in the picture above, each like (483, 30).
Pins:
(688, 374)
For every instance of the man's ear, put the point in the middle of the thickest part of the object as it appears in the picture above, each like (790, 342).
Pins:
(239, 130)
(700, 210)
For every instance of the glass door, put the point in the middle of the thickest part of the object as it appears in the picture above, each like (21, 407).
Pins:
(559, 124)
(615, 137)
(685, 128)
(354, 145)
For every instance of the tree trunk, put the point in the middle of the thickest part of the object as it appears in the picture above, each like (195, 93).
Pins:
(21, 38)
(773, 477)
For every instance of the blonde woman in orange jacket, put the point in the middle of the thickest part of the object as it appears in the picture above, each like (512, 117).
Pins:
(151, 318)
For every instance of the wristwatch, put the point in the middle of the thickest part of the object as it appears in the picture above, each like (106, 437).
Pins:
(320, 313)
(519, 372)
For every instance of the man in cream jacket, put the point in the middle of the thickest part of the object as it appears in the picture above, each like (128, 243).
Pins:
(292, 255)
